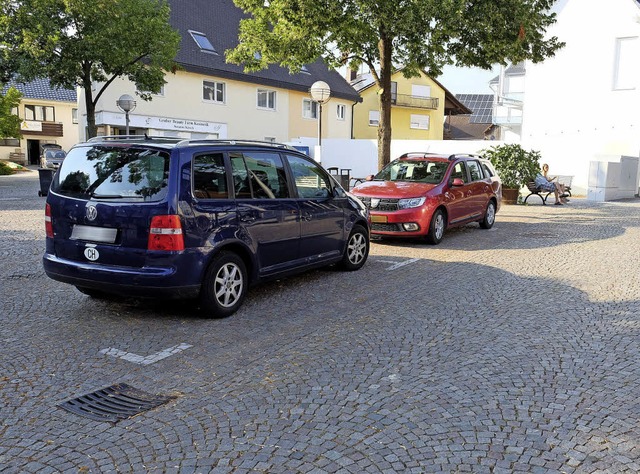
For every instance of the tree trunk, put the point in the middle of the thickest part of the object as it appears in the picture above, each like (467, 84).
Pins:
(92, 131)
(384, 127)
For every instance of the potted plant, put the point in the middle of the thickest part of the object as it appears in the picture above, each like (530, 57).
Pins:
(515, 166)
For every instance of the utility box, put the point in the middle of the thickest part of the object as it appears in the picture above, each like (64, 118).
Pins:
(610, 180)
(343, 177)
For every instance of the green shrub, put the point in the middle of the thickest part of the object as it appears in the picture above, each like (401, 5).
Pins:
(514, 164)
(5, 168)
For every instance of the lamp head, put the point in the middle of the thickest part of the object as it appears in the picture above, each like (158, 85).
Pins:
(320, 92)
(126, 103)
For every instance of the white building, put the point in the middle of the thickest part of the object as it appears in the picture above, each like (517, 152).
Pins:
(508, 88)
(47, 115)
(583, 104)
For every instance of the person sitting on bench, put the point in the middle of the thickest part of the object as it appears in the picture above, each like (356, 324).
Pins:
(547, 183)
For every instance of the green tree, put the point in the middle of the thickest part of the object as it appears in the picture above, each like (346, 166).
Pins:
(88, 42)
(9, 122)
(386, 35)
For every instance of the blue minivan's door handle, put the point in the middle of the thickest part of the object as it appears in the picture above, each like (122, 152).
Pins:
(246, 216)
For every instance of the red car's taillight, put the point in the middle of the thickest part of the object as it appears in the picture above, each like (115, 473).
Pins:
(48, 224)
(165, 233)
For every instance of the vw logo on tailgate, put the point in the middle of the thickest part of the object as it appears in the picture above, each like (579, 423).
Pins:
(92, 213)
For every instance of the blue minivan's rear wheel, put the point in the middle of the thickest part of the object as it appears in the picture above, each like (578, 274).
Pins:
(224, 285)
(357, 250)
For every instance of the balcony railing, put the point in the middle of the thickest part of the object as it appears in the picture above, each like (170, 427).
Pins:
(50, 129)
(507, 120)
(405, 100)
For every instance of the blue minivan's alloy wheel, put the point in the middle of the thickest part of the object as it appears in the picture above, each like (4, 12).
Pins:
(355, 255)
(224, 285)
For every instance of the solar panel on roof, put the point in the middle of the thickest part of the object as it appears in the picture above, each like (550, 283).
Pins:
(480, 104)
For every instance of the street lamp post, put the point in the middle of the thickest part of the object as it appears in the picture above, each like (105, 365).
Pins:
(321, 93)
(126, 103)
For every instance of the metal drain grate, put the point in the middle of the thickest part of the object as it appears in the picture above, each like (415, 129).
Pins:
(114, 403)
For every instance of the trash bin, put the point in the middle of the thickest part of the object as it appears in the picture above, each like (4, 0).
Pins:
(46, 176)
(343, 177)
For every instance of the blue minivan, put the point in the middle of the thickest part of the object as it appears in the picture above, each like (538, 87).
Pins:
(200, 219)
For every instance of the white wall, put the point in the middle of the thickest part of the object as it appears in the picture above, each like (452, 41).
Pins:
(572, 111)
(361, 156)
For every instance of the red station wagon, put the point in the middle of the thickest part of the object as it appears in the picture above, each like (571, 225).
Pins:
(422, 194)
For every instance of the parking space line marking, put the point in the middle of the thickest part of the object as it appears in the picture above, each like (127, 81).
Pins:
(150, 359)
(397, 265)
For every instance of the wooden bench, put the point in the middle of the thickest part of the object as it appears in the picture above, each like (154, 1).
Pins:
(541, 193)
(566, 181)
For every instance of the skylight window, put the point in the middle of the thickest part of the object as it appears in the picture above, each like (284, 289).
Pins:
(203, 42)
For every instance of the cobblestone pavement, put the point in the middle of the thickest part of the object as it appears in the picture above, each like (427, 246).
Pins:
(508, 350)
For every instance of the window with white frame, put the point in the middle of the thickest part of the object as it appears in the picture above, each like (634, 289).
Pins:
(420, 122)
(374, 118)
(340, 111)
(213, 91)
(266, 99)
(309, 109)
(625, 75)
(74, 115)
(40, 113)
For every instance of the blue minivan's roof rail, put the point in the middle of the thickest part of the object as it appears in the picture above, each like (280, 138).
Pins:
(136, 138)
(228, 141)
(184, 142)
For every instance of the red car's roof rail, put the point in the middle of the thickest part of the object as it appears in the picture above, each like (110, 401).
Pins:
(419, 154)
(464, 155)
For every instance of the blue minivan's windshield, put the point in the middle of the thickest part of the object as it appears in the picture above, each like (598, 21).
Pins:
(418, 171)
(113, 172)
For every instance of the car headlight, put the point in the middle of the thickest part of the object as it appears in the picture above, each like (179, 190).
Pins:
(411, 202)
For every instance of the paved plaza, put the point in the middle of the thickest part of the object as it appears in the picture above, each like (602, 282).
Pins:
(515, 349)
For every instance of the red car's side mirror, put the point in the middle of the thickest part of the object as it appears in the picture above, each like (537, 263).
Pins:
(457, 182)
(369, 178)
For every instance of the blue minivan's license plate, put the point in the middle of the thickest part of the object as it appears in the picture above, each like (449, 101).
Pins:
(94, 234)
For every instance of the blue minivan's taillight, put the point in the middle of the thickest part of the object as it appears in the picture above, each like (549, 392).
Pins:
(165, 233)
(48, 224)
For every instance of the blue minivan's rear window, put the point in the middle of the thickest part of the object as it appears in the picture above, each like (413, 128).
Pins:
(113, 172)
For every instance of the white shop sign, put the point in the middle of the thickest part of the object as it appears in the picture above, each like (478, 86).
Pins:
(31, 126)
(161, 123)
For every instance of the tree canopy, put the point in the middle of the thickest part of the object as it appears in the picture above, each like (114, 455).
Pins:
(84, 43)
(386, 35)
(9, 122)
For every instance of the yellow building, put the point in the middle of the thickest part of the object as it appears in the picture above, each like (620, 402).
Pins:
(419, 107)
(209, 98)
(48, 115)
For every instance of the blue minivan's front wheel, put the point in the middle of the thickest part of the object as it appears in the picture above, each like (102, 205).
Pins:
(224, 286)
(357, 250)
